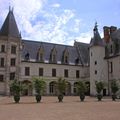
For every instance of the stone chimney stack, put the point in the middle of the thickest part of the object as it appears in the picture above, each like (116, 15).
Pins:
(113, 29)
(106, 30)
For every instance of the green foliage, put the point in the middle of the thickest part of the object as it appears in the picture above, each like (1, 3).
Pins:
(39, 85)
(99, 86)
(61, 86)
(16, 87)
(114, 86)
(81, 87)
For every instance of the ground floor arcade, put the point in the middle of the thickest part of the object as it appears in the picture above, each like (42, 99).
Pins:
(50, 88)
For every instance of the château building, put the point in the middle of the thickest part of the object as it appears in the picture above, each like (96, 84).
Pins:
(22, 60)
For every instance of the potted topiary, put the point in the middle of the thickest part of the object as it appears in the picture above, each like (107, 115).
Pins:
(114, 89)
(16, 88)
(39, 86)
(61, 87)
(81, 89)
(99, 89)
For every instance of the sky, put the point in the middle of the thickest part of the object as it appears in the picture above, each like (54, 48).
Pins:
(61, 21)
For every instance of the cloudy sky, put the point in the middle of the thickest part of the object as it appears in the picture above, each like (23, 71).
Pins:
(61, 21)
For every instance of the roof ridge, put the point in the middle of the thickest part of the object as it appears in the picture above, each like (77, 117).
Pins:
(47, 43)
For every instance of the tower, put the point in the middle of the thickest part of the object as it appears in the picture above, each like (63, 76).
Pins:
(98, 66)
(10, 42)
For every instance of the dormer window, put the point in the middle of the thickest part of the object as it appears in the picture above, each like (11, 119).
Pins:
(53, 56)
(40, 54)
(65, 59)
(116, 47)
(27, 56)
(111, 49)
(77, 61)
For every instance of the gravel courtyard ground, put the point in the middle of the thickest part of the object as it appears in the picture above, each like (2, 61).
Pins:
(50, 109)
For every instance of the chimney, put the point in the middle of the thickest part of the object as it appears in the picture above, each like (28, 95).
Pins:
(106, 34)
(113, 29)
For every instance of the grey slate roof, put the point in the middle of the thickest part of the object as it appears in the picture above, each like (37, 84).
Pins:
(96, 40)
(32, 48)
(9, 27)
(83, 51)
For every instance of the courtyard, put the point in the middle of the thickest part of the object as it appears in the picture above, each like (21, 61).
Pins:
(50, 109)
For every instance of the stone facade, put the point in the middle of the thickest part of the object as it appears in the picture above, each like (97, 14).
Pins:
(105, 58)
(22, 60)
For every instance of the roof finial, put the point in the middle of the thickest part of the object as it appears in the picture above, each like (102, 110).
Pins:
(95, 28)
(9, 8)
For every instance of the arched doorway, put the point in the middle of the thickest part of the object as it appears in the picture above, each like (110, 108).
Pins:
(52, 88)
(68, 89)
(75, 88)
(28, 89)
(88, 88)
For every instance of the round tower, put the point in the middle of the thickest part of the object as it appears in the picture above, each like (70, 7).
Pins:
(10, 42)
(98, 66)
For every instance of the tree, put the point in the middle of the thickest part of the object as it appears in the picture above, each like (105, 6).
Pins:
(61, 87)
(81, 89)
(114, 89)
(39, 86)
(16, 89)
(99, 89)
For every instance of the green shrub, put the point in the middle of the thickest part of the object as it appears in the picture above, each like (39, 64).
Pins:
(61, 87)
(81, 89)
(39, 86)
(99, 89)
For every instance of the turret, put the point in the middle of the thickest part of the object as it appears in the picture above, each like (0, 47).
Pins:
(10, 40)
(98, 65)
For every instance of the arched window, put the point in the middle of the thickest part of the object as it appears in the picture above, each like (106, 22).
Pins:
(52, 88)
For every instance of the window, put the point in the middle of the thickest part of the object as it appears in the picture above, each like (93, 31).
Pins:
(27, 56)
(2, 48)
(13, 61)
(41, 57)
(111, 67)
(2, 62)
(12, 76)
(77, 74)
(52, 87)
(65, 73)
(95, 71)
(95, 62)
(53, 72)
(116, 48)
(40, 71)
(54, 58)
(27, 71)
(111, 49)
(1, 78)
(91, 53)
(66, 59)
(13, 49)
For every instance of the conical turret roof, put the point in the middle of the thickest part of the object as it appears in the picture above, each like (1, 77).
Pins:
(9, 27)
(96, 40)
